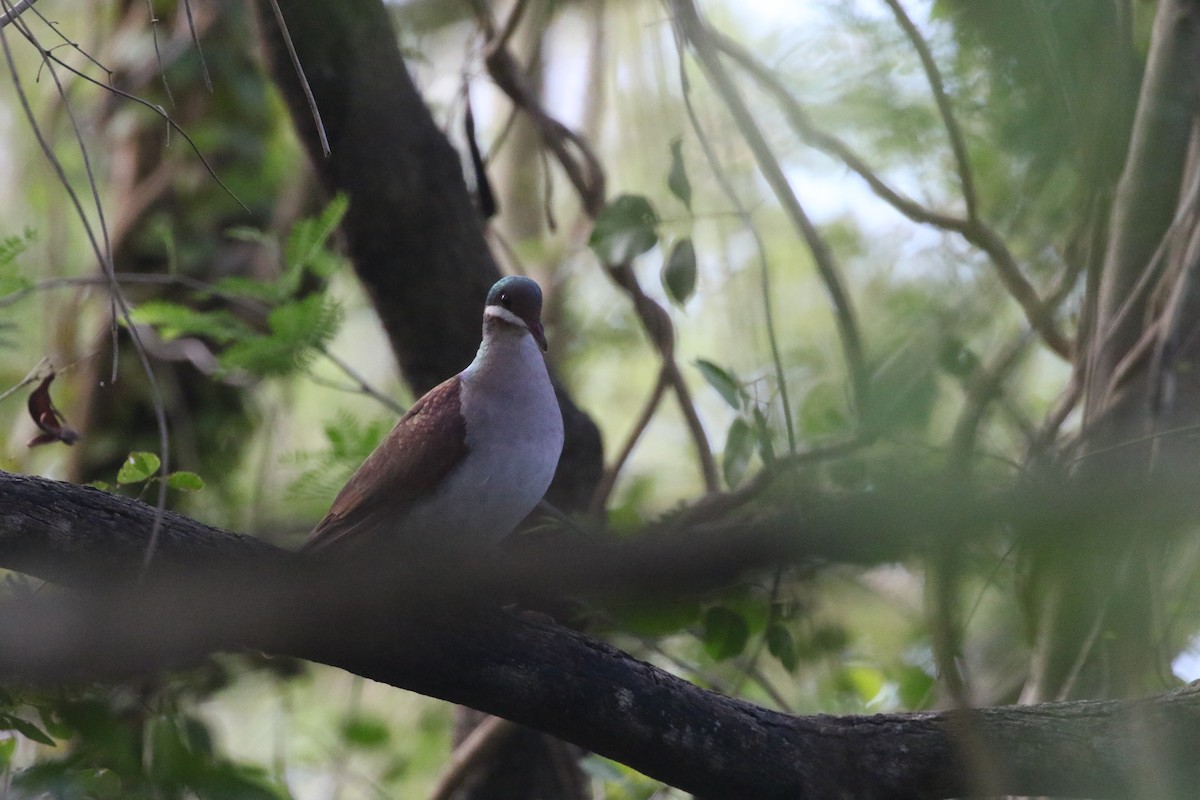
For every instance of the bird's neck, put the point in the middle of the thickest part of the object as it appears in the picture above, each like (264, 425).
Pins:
(506, 354)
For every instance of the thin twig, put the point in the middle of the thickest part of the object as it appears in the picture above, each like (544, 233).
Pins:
(973, 229)
(52, 25)
(34, 374)
(103, 255)
(657, 325)
(187, 8)
(1053, 422)
(585, 174)
(157, 109)
(481, 743)
(984, 387)
(15, 10)
(938, 86)
(696, 32)
(162, 72)
(747, 221)
(609, 479)
(572, 152)
(362, 383)
(304, 86)
(718, 504)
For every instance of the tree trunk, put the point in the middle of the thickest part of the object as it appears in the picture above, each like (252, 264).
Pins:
(1098, 607)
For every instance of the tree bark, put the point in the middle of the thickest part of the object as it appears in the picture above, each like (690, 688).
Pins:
(216, 590)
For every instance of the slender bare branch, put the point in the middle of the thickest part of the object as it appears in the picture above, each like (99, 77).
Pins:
(949, 121)
(187, 8)
(586, 175)
(973, 229)
(764, 268)
(286, 35)
(482, 743)
(696, 32)
(14, 10)
(609, 479)
(162, 72)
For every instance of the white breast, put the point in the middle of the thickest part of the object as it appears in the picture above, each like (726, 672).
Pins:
(514, 439)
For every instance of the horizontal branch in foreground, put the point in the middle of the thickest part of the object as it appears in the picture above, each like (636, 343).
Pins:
(238, 593)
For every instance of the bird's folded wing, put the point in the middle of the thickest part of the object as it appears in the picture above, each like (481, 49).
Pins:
(422, 449)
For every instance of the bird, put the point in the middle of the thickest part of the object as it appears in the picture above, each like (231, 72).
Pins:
(471, 458)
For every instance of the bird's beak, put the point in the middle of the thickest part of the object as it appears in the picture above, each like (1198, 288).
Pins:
(539, 333)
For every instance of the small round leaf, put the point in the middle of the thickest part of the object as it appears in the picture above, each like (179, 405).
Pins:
(185, 481)
(725, 633)
(679, 273)
(624, 229)
(139, 465)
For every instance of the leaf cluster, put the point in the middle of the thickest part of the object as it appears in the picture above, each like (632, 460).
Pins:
(291, 327)
(109, 745)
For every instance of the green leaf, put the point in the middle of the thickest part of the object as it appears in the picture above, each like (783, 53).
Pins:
(365, 732)
(862, 681)
(739, 447)
(762, 433)
(11, 248)
(824, 410)
(185, 481)
(829, 639)
(722, 381)
(247, 233)
(306, 243)
(916, 687)
(55, 727)
(173, 320)
(251, 289)
(11, 279)
(8, 746)
(170, 758)
(624, 229)
(103, 486)
(958, 359)
(197, 736)
(677, 179)
(781, 645)
(725, 633)
(100, 783)
(139, 465)
(679, 273)
(297, 331)
(656, 619)
(26, 729)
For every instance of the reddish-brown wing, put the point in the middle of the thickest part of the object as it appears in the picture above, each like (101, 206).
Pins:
(426, 444)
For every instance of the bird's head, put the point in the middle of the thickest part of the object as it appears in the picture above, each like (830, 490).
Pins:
(517, 301)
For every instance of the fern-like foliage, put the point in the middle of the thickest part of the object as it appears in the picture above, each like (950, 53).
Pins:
(173, 320)
(294, 330)
(298, 331)
(11, 248)
(351, 440)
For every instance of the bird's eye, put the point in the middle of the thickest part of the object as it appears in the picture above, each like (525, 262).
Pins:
(506, 301)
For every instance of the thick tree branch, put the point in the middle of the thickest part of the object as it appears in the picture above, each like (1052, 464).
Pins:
(418, 634)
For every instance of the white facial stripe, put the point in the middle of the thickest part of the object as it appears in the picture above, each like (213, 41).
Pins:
(500, 312)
